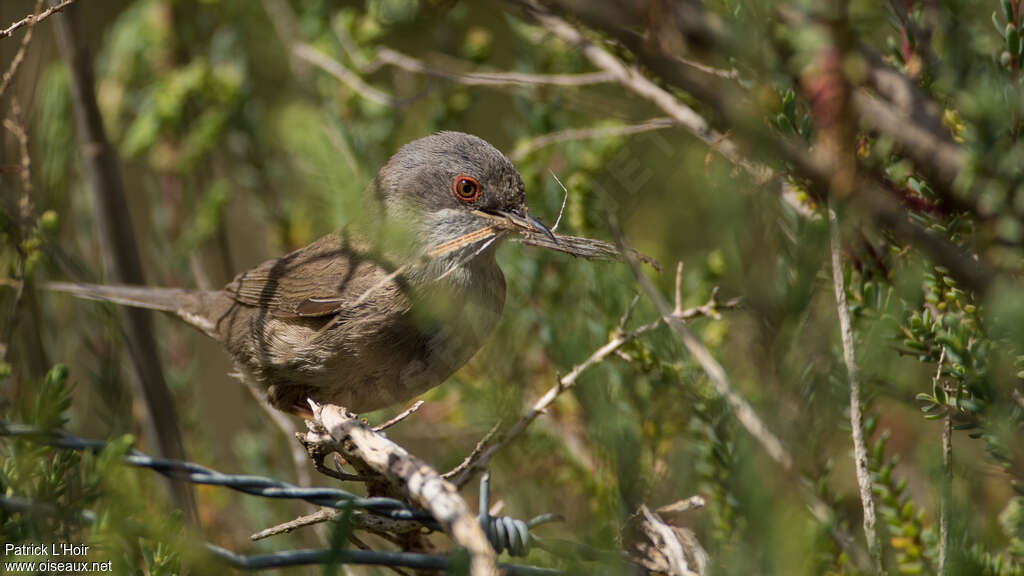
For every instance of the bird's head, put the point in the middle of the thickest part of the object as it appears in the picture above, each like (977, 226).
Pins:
(449, 184)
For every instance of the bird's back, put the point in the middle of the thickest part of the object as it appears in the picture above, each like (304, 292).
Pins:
(336, 322)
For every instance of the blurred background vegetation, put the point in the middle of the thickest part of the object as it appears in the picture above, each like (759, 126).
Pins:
(236, 147)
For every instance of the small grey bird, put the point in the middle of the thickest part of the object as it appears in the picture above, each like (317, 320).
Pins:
(378, 313)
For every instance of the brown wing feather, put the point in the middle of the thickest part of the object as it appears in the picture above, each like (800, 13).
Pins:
(316, 280)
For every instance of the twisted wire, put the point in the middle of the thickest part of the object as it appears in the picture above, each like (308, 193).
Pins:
(506, 534)
(254, 485)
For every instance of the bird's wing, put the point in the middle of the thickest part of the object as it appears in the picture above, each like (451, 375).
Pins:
(317, 280)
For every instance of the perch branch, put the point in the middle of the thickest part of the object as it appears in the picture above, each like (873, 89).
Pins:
(344, 433)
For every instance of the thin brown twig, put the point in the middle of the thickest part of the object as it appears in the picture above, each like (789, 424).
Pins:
(619, 338)
(321, 515)
(16, 127)
(860, 450)
(342, 73)
(497, 79)
(35, 18)
(399, 417)
(472, 456)
(22, 216)
(19, 56)
(527, 147)
(947, 475)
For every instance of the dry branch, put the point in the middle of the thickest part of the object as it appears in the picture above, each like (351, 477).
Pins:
(19, 56)
(494, 79)
(32, 19)
(619, 338)
(337, 430)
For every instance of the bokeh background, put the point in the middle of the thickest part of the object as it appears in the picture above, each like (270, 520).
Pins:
(235, 149)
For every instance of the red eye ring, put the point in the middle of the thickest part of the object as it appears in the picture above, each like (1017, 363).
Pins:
(466, 188)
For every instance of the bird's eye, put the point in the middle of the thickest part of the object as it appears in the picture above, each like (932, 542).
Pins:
(466, 188)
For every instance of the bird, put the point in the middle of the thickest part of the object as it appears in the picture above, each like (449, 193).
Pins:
(381, 311)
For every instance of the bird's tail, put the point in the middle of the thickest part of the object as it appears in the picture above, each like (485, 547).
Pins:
(190, 305)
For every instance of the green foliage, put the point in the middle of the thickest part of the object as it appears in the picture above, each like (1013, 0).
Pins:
(229, 142)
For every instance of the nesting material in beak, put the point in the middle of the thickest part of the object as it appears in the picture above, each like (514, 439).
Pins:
(532, 232)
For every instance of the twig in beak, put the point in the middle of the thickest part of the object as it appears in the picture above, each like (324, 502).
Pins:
(565, 198)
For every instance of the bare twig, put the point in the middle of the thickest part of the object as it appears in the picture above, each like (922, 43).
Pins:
(494, 79)
(321, 515)
(415, 478)
(19, 56)
(565, 198)
(947, 475)
(685, 505)
(472, 456)
(387, 56)
(527, 147)
(399, 417)
(21, 215)
(860, 451)
(16, 126)
(619, 338)
(370, 522)
(34, 18)
(339, 71)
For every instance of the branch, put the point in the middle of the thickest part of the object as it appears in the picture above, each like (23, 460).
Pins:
(339, 71)
(493, 79)
(342, 432)
(19, 56)
(371, 522)
(399, 417)
(945, 510)
(860, 450)
(619, 338)
(527, 147)
(32, 20)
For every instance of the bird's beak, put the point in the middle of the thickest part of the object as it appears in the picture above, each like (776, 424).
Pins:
(521, 218)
